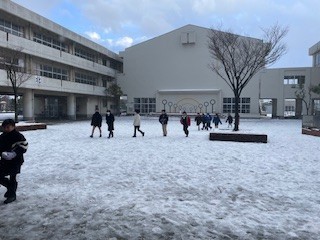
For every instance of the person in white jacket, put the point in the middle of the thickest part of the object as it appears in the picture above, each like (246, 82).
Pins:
(137, 122)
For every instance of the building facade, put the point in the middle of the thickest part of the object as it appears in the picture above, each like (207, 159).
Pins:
(66, 75)
(172, 72)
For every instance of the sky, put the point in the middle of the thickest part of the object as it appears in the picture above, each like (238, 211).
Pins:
(118, 24)
(75, 187)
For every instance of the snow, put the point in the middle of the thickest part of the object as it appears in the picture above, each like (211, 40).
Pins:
(175, 187)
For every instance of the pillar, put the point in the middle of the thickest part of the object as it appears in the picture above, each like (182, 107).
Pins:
(71, 107)
(28, 105)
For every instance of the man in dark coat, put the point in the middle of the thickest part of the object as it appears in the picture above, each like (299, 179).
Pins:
(96, 121)
(185, 121)
(110, 121)
(198, 120)
(163, 119)
(12, 147)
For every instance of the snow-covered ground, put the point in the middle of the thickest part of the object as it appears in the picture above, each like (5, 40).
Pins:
(154, 187)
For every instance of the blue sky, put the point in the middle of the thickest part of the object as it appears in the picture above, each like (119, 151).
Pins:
(117, 24)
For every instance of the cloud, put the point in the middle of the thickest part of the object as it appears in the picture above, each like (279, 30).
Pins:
(123, 42)
(93, 36)
(204, 6)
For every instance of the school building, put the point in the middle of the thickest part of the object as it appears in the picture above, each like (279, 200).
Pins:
(172, 72)
(65, 74)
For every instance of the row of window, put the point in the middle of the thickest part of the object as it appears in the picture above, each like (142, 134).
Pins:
(48, 41)
(10, 27)
(145, 105)
(86, 79)
(62, 74)
(84, 54)
(229, 105)
(294, 80)
(53, 72)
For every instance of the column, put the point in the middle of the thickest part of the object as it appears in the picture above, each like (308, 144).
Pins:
(71, 107)
(28, 105)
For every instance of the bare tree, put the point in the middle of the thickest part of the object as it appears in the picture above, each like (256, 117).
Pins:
(14, 65)
(301, 94)
(115, 91)
(236, 59)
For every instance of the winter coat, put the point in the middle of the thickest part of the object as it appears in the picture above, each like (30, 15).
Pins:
(208, 118)
(96, 119)
(110, 121)
(136, 120)
(216, 120)
(229, 119)
(16, 142)
(163, 119)
(185, 120)
(198, 119)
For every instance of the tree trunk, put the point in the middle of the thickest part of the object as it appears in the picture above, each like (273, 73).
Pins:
(236, 109)
(16, 108)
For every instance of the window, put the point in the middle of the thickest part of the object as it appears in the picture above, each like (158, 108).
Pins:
(84, 54)
(317, 60)
(53, 72)
(10, 27)
(294, 80)
(145, 105)
(48, 41)
(86, 79)
(229, 107)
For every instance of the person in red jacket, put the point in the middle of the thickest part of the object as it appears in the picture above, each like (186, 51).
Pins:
(185, 121)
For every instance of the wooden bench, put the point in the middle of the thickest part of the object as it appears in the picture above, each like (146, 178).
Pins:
(239, 137)
(28, 127)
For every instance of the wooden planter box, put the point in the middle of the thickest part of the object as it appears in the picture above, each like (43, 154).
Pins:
(239, 137)
(312, 132)
(31, 126)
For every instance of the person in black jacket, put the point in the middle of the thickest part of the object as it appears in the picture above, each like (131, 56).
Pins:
(163, 119)
(96, 121)
(198, 120)
(110, 121)
(12, 147)
(229, 120)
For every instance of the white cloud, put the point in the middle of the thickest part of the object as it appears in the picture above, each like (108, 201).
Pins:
(107, 30)
(204, 6)
(93, 36)
(123, 42)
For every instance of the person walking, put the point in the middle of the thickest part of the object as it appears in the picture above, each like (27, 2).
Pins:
(12, 147)
(110, 123)
(96, 121)
(203, 117)
(229, 120)
(163, 119)
(137, 123)
(198, 120)
(185, 121)
(216, 120)
(208, 121)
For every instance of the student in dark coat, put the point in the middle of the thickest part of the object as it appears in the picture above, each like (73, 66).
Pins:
(198, 120)
(110, 121)
(185, 121)
(216, 120)
(12, 147)
(163, 119)
(229, 120)
(96, 121)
